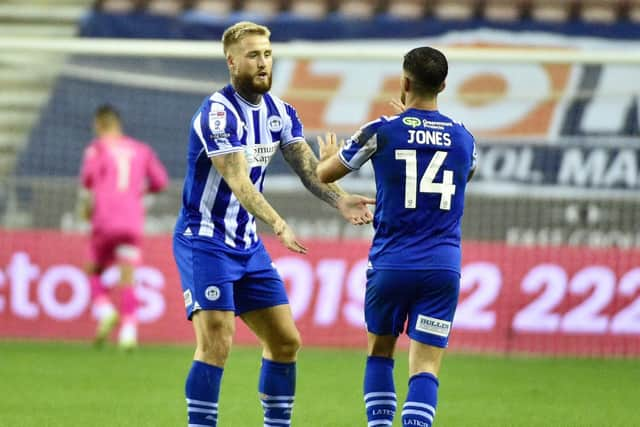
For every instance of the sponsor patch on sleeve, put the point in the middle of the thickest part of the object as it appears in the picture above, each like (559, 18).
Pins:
(217, 118)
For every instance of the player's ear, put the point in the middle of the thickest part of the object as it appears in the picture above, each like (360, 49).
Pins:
(406, 84)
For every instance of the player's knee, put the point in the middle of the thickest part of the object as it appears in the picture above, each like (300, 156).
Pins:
(287, 347)
(220, 329)
(214, 344)
(217, 349)
(214, 329)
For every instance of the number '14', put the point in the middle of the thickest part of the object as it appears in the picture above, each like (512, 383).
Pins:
(446, 188)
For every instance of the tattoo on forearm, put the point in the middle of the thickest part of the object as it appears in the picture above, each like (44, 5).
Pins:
(304, 162)
(249, 197)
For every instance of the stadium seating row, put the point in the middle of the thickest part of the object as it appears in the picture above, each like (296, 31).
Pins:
(500, 10)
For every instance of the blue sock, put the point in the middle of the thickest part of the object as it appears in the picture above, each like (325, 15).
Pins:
(379, 391)
(277, 391)
(422, 398)
(202, 390)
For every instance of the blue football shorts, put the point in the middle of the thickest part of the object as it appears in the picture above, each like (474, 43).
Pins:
(217, 277)
(425, 300)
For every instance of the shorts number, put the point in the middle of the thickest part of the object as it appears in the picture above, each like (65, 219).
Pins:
(446, 188)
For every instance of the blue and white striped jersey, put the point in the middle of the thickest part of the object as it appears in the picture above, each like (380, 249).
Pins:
(422, 160)
(225, 123)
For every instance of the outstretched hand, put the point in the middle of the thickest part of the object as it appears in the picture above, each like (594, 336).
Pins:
(288, 238)
(329, 146)
(397, 106)
(354, 209)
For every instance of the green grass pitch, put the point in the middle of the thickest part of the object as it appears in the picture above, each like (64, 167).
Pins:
(73, 385)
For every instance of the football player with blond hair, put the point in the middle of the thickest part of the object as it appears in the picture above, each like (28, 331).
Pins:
(225, 270)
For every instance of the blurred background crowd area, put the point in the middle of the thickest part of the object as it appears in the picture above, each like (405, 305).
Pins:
(20, 16)
(498, 10)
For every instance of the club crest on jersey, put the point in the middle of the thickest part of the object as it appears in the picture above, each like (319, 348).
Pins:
(274, 123)
(212, 293)
(414, 122)
(217, 118)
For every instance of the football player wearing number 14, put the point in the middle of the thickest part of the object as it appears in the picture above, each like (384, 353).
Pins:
(422, 161)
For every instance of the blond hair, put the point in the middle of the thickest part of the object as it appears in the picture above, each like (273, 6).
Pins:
(237, 32)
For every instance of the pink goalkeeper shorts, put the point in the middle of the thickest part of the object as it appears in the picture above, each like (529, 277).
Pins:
(108, 249)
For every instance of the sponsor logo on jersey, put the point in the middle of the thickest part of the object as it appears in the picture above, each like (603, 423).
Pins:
(212, 293)
(260, 154)
(414, 122)
(187, 298)
(274, 123)
(434, 326)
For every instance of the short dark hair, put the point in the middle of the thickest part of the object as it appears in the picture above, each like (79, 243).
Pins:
(427, 68)
(106, 114)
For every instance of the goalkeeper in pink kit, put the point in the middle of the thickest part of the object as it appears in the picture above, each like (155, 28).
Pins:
(117, 171)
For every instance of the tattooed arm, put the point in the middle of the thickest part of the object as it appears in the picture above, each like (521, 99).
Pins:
(304, 163)
(233, 168)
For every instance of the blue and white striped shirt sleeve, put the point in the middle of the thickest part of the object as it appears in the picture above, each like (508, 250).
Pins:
(361, 146)
(219, 129)
(292, 130)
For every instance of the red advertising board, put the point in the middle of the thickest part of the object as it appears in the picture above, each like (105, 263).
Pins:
(560, 300)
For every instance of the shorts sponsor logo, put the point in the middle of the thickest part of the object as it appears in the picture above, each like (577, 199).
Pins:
(188, 300)
(212, 293)
(434, 326)
(274, 123)
(414, 122)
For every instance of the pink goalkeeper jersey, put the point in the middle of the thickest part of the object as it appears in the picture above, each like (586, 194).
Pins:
(118, 172)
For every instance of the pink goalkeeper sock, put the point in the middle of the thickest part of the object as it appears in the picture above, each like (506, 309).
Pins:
(128, 304)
